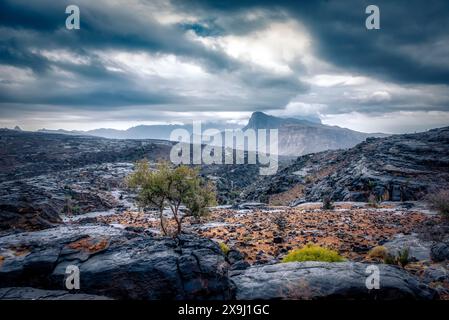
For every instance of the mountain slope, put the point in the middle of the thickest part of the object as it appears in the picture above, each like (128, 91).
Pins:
(298, 137)
(396, 168)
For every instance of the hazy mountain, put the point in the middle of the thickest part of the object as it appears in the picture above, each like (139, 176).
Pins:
(144, 131)
(298, 136)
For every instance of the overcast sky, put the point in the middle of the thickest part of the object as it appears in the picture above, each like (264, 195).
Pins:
(143, 62)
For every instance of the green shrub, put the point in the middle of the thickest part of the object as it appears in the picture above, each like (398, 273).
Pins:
(403, 257)
(224, 247)
(390, 259)
(440, 202)
(313, 253)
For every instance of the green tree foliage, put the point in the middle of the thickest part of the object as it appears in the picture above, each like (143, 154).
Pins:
(172, 187)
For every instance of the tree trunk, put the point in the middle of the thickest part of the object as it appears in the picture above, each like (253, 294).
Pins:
(161, 216)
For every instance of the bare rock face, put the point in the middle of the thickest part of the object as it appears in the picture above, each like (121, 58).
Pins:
(302, 136)
(116, 263)
(396, 168)
(322, 280)
(26, 293)
(418, 249)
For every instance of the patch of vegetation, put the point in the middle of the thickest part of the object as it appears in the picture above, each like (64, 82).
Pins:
(440, 202)
(313, 253)
(224, 247)
(328, 204)
(401, 258)
(379, 252)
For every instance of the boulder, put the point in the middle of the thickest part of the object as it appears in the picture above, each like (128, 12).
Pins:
(440, 251)
(323, 280)
(116, 263)
(435, 274)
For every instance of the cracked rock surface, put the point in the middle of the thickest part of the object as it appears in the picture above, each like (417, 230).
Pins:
(116, 263)
(322, 280)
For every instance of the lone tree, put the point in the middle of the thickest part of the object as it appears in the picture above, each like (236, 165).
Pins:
(172, 187)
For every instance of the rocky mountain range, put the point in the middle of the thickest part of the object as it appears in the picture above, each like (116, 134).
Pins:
(297, 136)
(396, 168)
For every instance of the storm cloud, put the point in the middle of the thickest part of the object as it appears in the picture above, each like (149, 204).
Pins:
(163, 61)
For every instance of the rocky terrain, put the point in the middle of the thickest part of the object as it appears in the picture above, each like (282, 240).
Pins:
(63, 201)
(118, 263)
(397, 168)
(45, 175)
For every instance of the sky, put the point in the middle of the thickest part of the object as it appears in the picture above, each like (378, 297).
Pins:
(151, 62)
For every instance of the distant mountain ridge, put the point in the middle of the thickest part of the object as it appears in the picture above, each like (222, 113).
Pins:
(297, 136)
(161, 132)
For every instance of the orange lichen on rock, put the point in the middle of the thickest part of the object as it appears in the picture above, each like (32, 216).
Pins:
(348, 229)
(20, 251)
(90, 244)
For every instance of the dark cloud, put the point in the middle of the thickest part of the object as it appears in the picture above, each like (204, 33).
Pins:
(410, 50)
(340, 36)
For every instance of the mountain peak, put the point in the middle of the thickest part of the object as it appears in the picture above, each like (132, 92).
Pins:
(260, 120)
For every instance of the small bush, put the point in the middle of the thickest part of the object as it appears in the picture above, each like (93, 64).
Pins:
(440, 202)
(313, 253)
(379, 252)
(401, 258)
(327, 203)
(224, 247)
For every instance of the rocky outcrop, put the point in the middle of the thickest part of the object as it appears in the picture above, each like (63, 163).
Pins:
(116, 263)
(418, 249)
(397, 168)
(440, 251)
(26, 293)
(321, 280)
(298, 136)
